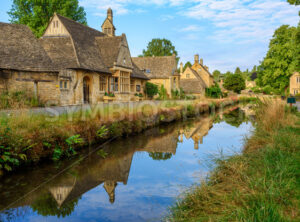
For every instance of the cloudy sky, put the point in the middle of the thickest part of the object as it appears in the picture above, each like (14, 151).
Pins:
(225, 33)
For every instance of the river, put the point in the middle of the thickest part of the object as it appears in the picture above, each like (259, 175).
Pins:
(130, 179)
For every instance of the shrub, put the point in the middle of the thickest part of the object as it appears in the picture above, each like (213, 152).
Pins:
(162, 93)
(234, 82)
(151, 89)
(213, 92)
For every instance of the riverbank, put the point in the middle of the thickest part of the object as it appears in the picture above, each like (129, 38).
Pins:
(27, 138)
(261, 184)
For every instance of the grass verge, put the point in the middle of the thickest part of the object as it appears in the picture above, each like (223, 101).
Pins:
(261, 184)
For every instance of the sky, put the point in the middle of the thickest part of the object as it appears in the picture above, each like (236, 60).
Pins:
(225, 33)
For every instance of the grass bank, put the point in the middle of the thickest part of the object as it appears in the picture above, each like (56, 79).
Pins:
(261, 184)
(30, 138)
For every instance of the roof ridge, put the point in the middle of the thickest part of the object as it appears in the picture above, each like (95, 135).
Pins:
(86, 26)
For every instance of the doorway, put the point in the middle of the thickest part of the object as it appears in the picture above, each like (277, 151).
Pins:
(86, 89)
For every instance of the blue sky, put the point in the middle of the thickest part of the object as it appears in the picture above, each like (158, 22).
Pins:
(225, 33)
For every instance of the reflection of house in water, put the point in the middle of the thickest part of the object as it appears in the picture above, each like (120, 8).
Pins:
(112, 170)
(197, 131)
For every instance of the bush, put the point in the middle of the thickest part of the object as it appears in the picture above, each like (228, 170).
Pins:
(18, 99)
(213, 92)
(162, 93)
(151, 89)
(234, 82)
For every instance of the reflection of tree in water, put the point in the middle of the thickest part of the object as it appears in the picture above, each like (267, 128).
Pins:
(47, 206)
(235, 117)
(160, 156)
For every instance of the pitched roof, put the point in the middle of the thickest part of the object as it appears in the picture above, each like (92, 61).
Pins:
(85, 48)
(61, 51)
(160, 67)
(20, 50)
(201, 81)
(137, 73)
(192, 86)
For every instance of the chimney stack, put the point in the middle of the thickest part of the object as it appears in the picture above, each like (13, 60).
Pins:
(181, 68)
(201, 61)
(196, 59)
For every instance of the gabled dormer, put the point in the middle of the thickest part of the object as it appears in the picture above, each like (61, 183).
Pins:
(56, 28)
(108, 27)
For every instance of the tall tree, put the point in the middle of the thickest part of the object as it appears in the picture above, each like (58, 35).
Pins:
(280, 61)
(187, 64)
(237, 70)
(37, 13)
(216, 75)
(160, 47)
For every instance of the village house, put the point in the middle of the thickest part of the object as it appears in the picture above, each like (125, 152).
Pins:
(161, 70)
(295, 84)
(194, 80)
(70, 64)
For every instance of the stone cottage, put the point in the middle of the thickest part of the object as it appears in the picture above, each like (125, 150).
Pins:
(194, 80)
(161, 70)
(83, 63)
(295, 84)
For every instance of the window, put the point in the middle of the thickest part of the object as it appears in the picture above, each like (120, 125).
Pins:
(187, 76)
(298, 79)
(63, 84)
(102, 83)
(124, 82)
(148, 71)
(138, 88)
(114, 86)
(124, 61)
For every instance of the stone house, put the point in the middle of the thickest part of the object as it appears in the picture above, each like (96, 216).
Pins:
(295, 84)
(84, 63)
(161, 70)
(24, 64)
(194, 80)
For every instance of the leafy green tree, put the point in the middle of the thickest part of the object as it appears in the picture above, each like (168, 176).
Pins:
(160, 156)
(234, 82)
(151, 89)
(37, 13)
(254, 69)
(216, 75)
(160, 47)
(237, 71)
(187, 64)
(280, 61)
(294, 2)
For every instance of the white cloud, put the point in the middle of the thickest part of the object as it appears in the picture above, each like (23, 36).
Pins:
(243, 19)
(191, 28)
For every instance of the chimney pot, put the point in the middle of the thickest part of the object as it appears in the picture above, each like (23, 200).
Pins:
(196, 59)
(201, 61)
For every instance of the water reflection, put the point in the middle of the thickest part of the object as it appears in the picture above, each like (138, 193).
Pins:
(60, 196)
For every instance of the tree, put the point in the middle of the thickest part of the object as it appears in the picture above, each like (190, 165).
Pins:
(160, 47)
(294, 2)
(160, 156)
(216, 75)
(234, 82)
(281, 59)
(187, 64)
(237, 71)
(37, 13)
(151, 89)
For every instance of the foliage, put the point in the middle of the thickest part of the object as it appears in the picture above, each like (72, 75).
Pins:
(294, 2)
(235, 118)
(187, 64)
(109, 94)
(71, 143)
(216, 74)
(102, 132)
(280, 61)
(213, 91)
(46, 205)
(237, 71)
(160, 47)
(234, 82)
(162, 93)
(102, 153)
(18, 99)
(178, 94)
(151, 89)
(37, 13)
(160, 156)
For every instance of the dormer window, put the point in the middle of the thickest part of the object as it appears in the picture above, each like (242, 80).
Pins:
(148, 71)
(124, 61)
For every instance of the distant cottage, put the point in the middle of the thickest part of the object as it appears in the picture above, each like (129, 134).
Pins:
(70, 64)
(161, 70)
(295, 84)
(194, 80)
